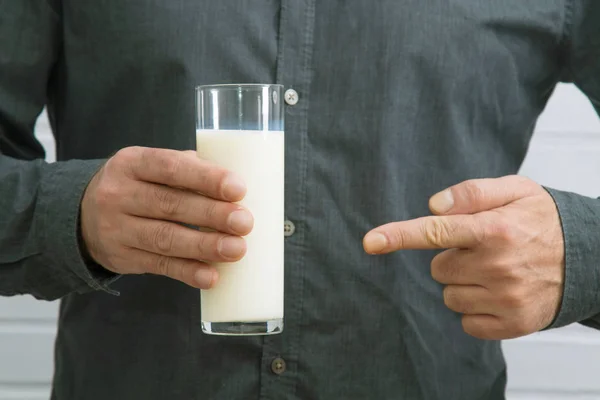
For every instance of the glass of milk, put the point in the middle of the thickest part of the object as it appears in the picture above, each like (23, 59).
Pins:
(240, 127)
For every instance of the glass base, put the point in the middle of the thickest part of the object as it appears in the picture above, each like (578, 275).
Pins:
(271, 327)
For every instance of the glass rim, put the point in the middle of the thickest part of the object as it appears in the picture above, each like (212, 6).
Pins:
(239, 86)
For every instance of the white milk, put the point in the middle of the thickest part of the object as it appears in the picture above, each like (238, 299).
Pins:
(250, 290)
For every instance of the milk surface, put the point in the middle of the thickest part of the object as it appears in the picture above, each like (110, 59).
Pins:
(250, 290)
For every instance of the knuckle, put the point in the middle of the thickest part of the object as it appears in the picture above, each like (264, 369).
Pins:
(168, 201)
(478, 328)
(218, 179)
(501, 230)
(126, 156)
(480, 231)
(510, 273)
(107, 194)
(514, 299)
(143, 236)
(162, 237)
(441, 268)
(169, 165)
(397, 238)
(473, 191)
(471, 327)
(437, 231)
(164, 265)
(202, 246)
(522, 181)
(108, 228)
(454, 302)
(151, 154)
(450, 299)
(210, 211)
(486, 222)
(212, 178)
(478, 332)
(505, 232)
(125, 160)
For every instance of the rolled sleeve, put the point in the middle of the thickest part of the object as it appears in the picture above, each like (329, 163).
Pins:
(580, 220)
(61, 195)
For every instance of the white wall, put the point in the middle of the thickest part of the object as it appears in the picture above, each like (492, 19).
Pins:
(27, 330)
(561, 364)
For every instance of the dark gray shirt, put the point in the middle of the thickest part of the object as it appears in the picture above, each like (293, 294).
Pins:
(397, 100)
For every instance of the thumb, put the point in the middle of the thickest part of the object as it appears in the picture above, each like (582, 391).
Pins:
(476, 195)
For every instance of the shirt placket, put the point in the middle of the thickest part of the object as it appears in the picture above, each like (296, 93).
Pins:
(279, 366)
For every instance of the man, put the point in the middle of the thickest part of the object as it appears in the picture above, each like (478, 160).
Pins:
(412, 119)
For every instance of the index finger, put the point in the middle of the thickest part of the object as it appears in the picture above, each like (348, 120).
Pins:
(184, 170)
(425, 233)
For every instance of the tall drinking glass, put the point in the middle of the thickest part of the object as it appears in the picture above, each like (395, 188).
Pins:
(240, 127)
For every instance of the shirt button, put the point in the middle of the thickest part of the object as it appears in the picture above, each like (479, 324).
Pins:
(288, 228)
(278, 366)
(291, 97)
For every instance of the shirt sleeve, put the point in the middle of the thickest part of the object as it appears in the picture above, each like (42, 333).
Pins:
(39, 202)
(580, 215)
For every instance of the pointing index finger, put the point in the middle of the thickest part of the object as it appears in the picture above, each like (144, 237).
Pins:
(434, 232)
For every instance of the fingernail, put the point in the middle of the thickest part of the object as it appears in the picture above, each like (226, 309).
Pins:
(375, 242)
(240, 222)
(442, 202)
(234, 188)
(231, 247)
(206, 278)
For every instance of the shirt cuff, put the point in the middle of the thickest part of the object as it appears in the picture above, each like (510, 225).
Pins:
(580, 220)
(61, 192)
